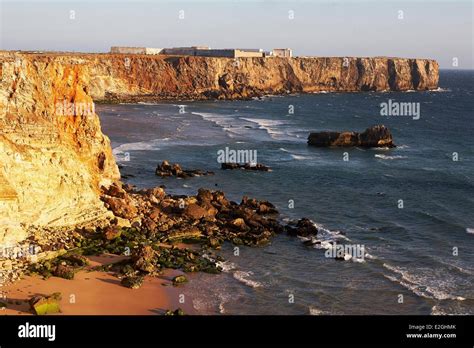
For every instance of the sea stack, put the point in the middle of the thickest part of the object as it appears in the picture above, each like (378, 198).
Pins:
(375, 136)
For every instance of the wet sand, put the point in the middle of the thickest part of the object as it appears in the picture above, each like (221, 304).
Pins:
(99, 293)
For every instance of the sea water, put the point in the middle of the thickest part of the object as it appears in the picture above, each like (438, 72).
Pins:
(410, 207)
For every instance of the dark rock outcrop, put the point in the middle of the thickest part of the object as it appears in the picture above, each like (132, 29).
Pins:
(166, 169)
(375, 136)
(246, 166)
(303, 227)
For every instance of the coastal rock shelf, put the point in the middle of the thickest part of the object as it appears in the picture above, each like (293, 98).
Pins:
(55, 157)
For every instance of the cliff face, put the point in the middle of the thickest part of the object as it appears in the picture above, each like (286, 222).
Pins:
(158, 77)
(54, 157)
(52, 161)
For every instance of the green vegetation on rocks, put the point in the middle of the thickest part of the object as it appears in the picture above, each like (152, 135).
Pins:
(179, 280)
(42, 305)
(178, 311)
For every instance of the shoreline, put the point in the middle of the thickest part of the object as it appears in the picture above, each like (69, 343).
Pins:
(93, 292)
(146, 276)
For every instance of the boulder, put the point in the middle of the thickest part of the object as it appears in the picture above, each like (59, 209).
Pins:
(112, 232)
(188, 232)
(64, 271)
(178, 311)
(123, 208)
(204, 196)
(75, 260)
(195, 211)
(179, 279)
(42, 305)
(239, 224)
(114, 190)
(132, 282)
(143, 260)
(214, 243)
(303, 227)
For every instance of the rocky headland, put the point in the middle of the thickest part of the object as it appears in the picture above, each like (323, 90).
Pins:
(60, 188)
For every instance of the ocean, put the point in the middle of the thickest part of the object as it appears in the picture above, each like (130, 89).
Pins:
(411, 207)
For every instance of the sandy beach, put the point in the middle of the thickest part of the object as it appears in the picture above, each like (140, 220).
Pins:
(98, 293)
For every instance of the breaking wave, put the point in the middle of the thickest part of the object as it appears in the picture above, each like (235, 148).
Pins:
(386, 157)
(272, 127)
(243, 277)
(421, 284)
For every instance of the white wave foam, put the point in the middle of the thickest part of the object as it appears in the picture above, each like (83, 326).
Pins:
(272, 127)
(470, 230)
(421, 284)
(370, 256)
(385, 157)
(242, 276)
(386, 148)
(221, 308)
(120, 150)
(226, 265)
(147, 103)
(200, 305)
(326, 234)
(435, 310)
(294, 155)
(439, 89)
(226, 122)
(299, 157)
(358, 260)
(315, 311)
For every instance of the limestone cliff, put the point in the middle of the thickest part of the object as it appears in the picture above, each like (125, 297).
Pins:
(53, 155)
(52, 161)
(133, 77)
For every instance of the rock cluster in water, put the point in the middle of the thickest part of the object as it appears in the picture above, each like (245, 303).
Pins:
(375, 136)
(209, 216)
(166, 169)
(246, 166)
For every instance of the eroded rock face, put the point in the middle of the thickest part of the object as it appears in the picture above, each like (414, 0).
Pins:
(376, 136)
(52, 161)
(121, 77)
(132, 77)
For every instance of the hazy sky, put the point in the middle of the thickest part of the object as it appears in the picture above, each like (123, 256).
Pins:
(442, 30)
